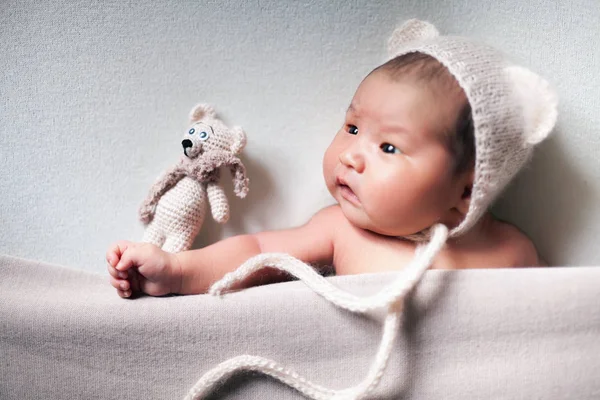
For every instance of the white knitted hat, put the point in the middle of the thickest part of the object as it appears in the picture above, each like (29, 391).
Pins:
(513, 109)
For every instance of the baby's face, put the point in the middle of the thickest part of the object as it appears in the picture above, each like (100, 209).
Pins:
(388, 167)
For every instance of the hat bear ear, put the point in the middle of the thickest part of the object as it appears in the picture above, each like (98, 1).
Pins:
(411, 30)
(538, 101)
(201, 111)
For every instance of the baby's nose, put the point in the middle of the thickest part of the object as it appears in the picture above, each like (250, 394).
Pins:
(353, 159)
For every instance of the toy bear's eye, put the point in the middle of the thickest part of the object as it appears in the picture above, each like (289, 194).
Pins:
(191, 132)
(203, 135)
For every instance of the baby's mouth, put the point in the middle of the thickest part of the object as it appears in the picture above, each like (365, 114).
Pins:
(346, 192)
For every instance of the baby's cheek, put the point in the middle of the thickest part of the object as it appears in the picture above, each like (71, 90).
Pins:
(389, 207)
(329, 167)
(397, 211)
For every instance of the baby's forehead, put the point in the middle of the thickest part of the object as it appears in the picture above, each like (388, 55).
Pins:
(395, 97)
(426, 114)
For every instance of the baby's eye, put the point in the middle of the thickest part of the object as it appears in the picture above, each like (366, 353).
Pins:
(191, 132)
(390, 149)
(352, 129)
(203, 135)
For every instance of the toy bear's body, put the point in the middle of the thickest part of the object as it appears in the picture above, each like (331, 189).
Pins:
(178, 216)
(175, 209)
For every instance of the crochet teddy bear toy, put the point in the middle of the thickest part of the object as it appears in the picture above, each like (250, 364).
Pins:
(175, 207)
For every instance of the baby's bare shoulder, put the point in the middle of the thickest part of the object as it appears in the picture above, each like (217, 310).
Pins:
(516, 245)
(330, 217)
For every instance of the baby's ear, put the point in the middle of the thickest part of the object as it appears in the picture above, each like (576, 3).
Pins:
(538, 101)
(466, 189)
(201, 111)
(413, 29)
(239, 139)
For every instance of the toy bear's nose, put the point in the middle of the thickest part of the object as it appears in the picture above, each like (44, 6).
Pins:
(186, 143)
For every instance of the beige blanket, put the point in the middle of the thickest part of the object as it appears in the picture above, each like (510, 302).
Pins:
(479, 334)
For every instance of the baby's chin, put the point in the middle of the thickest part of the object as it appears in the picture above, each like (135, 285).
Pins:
(361, 219)
(383, 231)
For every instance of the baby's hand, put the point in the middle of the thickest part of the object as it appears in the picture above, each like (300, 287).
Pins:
(142, 267)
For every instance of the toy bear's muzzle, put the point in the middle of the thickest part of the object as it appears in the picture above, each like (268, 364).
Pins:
(191, 149)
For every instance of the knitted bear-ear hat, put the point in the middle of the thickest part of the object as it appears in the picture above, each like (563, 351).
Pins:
(513, 109)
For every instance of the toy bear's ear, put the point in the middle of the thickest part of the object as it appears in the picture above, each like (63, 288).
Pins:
(411, 30)
(538, 101)
(239, 139)
(201, 111)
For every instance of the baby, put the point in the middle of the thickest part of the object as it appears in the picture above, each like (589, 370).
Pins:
(430, 137)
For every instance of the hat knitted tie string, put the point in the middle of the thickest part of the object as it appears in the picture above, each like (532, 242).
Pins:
(390, 298)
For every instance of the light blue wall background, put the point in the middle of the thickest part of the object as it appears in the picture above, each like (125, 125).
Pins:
(94, 97)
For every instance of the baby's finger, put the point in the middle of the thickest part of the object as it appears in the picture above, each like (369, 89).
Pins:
(116, 250)
(134, 280)
(125, 294)
(126, 260)
(120, 284)
(116, 274)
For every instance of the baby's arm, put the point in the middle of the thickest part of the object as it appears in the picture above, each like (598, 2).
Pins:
(143, 267)
(311, 243)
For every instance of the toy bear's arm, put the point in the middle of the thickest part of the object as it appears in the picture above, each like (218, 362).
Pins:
(240, 180)
(162, 185)
(217, 201)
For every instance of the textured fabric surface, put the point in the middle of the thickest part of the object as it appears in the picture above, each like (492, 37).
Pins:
(500, 334)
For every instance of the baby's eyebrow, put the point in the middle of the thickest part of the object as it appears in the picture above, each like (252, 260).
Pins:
(397, 129)
(393, 128)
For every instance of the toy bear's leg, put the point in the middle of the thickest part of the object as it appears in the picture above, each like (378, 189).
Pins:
(177, 243)
(180, 214)
(153, 235)
(181, 234)
(189, 205)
